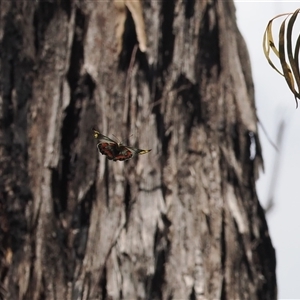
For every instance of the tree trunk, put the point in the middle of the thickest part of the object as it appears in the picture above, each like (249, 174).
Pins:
(182, 222)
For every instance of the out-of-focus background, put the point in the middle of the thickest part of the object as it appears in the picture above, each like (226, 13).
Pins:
(275, 103)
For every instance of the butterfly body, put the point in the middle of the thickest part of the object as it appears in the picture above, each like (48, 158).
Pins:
(116, 151)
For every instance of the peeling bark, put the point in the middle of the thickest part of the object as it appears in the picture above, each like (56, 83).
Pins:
(182, 222)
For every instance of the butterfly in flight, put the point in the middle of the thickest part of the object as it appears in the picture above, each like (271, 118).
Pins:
(115, 151)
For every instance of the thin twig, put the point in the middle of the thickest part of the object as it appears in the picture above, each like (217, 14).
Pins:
(270, 201)
(267, 135)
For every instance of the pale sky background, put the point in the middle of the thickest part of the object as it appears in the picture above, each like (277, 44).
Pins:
(275, 103)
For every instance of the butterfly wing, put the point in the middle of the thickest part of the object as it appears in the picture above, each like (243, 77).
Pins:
(127, 152)
(106, 146)
(99, 136)
(124, 153)
(141, 151)
(107, 149)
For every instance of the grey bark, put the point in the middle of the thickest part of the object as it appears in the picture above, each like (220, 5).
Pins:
(182, 222)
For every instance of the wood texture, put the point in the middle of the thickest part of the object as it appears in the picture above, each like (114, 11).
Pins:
(182, 222)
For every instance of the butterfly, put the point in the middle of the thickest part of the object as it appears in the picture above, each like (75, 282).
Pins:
(115, 151)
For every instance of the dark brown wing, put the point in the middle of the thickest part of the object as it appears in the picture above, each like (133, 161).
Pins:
(127, 152)
(108, 149)
(124, 153)
(106, 146)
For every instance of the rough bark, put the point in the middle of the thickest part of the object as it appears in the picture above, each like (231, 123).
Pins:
(182, 222)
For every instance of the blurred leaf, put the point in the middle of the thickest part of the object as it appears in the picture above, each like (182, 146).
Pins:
(135, 8)
(120, 22)
(136, 11)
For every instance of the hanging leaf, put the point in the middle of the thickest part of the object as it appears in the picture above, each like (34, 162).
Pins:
(135, 8)
(120, 22)
(289, 60)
